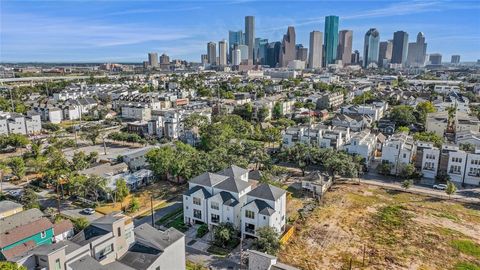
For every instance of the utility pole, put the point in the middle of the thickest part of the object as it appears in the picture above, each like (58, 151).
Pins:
(151, 209)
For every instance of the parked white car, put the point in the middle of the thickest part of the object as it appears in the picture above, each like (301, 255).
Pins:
(89, 211)
(440, 186)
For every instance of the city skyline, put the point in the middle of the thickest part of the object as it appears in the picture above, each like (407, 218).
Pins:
(125, 32)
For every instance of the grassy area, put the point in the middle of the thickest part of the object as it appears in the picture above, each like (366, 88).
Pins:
(195, 266)
(178, 224)
(467, 247)
(377, 228)
(466, 266)
(169, 216)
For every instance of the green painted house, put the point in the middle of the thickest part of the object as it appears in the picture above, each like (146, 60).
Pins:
(24, 231)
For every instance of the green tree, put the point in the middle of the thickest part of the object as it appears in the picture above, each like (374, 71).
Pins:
(403, 115)
(29, 199)
(406, 184)
(340, 163)
(428, 137)
(80, 223)
(467, 147)
(451, 189)
(262, 114)
(11, 266)
(277, 111)
(195, 120)
(403, 129)
(223, 233)
(408, 170)
(17, 167)
(423, 108)
(134, 205)
(384, 168)
(79, 161)
(300, 154)
(267, 241)
(122, 190)
(92, 134)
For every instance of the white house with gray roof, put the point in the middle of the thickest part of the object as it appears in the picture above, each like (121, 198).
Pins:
(266, 206)
(230, 197)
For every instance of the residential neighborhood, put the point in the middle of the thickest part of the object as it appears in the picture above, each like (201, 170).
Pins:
(266, 157)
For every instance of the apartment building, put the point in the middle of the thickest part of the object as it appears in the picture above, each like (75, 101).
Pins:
(111, 242)
(352, 121)
(15, 123)
(398, 150)
(330, 100)
(227, 196)
(321, 135)
(376, 110)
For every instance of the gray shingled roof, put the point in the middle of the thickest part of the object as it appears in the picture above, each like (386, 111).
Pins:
(208, 179)
(228, 199)
(233, 171)
(267, 192)
(263, 207)
(147, 235)
(233, 185)
(205, 192)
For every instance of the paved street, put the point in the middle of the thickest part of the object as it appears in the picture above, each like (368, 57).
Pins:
(424, 187)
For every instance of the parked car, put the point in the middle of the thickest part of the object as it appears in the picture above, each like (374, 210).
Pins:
(89, 211)
(440, 186)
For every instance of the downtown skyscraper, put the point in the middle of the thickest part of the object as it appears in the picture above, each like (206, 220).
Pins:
(212, 53)
(288, 52)
(222, 53)
(153, 59)
(331, 39)
(371, 47)
(385, 52)
(250, 36)
(316, 48)
(234, 38)
(417, 51)
(344, 49)
(400, 47)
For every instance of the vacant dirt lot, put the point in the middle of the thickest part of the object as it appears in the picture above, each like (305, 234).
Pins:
(368, 227)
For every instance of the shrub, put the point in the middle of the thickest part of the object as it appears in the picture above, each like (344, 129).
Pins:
(202, 230)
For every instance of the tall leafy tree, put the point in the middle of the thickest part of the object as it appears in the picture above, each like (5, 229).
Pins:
(17, 167)
(267, 241)
(121, 190)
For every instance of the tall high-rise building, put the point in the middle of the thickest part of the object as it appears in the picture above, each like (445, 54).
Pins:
(435, 59)
(164, 59)
(400, 47)
(250, 35)
(260, 50)
(385, 52)
(212, 53)
(455, 59)
(237, 57)
(331, 39)
(288, 51)
(222, 52)
(316, 48)
(244, 51)
(153, 59)
(371, 47)
(417, 51)
(204, 59)
(302, 53)
(344, 49)
(356, 57)
(234, 38)
(273, 53)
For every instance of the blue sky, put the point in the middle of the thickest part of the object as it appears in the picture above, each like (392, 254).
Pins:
(125, 31)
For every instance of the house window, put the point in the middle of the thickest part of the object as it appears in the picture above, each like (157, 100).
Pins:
(197, 214)
(158, 268)
(264, 217)
(43, 234)
(215, 205)
(215, 218)
(249, 214)
(119, 231)
(58, 266)
(197, 201)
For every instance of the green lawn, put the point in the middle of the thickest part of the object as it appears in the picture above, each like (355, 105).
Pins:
(467, 247)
